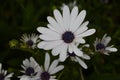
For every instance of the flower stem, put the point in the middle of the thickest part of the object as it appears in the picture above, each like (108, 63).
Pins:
(60, 75)
(96, 70)
(81, 74)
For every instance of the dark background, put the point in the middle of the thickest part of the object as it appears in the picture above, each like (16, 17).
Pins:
(24, 16)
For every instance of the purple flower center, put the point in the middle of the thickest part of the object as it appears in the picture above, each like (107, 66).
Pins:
(2, 76)
(68, 37)
(45, 76)
(30, 71)
(30, 43)
(100, 46)
(72, 54)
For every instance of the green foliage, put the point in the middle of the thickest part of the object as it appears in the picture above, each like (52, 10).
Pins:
(24, 16)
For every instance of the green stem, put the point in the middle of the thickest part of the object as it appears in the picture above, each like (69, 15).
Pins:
(96, 70)
(81, 74)
(60, 75)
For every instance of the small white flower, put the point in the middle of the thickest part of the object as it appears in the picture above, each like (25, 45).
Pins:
(78, 59)
(64, 32)
(30, 40)
(101, 45)
(71, 5)
(3, 74)
(31, 70)
(48, 71)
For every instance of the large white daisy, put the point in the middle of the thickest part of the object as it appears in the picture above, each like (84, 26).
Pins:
(101, 45)
(3, 74)
(47, 73)
(30, 40)
(31, 70)
(64, 32)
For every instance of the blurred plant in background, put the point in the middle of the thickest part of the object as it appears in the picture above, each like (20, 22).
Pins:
(23, 16)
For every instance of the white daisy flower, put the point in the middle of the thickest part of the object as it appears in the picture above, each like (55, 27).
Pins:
(101, 45)
(78, 59)
(30, 40)
(3, 74)
(31, 70)
(64, 32)
(48, 71)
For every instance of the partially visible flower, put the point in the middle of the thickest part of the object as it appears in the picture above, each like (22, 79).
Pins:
(101, 45)
(78, 59)
(13, 43)
(31, 70)
(47, 73)
(71, 5)
(3, 74)
(64, 32)
(30, 40)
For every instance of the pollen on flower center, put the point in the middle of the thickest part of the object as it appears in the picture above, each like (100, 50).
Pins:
(2, 77)
(29, 42)
(45, 76)
(29, 71)
(100, 46)
(68, 37)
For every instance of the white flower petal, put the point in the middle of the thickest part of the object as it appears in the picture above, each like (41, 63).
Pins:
(111, 49)
(56, 50)
(87, 33)
(107, 40)
(57, 69)
(54, 24)
(52, 21)
(74, 14)
(0, 67)
(77, 51)
(79, 40)
(63, 53)
(62, 56)
(9, 75)
(52, 44)
(50, 37)
(24, 78)
(59, 19)
(54, 28)
(106, 53)
(53, 65)
(79, 20)
(41, 44)
(23, 67)
(34, 63)
(66, 17)
(103, 38)
(85, 56)
(5, 72)
(81, 63)
(96, 42)
(26, 63)
(47, 61)
(53, 77)
(86, 45)
(82, 28)
(44, 30)
(70, 49)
